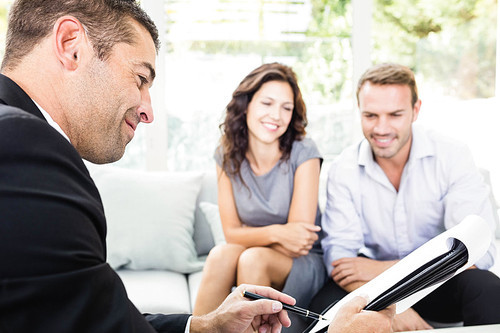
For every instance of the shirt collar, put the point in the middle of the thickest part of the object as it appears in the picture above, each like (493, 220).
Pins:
(51, 121)
(422, 145)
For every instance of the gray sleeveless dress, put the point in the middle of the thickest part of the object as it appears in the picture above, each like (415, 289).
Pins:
(266, 200)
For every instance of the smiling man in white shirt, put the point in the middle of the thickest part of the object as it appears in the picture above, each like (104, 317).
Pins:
(396, 189)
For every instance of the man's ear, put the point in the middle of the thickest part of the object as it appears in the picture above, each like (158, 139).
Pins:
(70, 42)
(416, 109)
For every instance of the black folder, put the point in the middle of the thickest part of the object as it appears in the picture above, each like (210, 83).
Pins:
(437, 270)
(434, 271)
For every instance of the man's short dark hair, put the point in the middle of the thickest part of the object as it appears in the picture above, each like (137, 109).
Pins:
(390, 74)
(107, 22)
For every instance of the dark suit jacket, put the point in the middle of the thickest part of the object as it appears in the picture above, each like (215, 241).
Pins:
(53, 271)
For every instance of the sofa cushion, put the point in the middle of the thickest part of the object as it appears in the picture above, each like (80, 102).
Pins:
(211, 212)
(157, 291)
(203, 239)
(150, 218)
(194, 281)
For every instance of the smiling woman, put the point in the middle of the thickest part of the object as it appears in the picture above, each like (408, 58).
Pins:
(268, 176)
(268, 116)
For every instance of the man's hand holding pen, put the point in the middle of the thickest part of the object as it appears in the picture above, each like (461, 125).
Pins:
(237, 314)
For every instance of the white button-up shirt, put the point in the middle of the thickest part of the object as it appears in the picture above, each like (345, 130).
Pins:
(364, 213)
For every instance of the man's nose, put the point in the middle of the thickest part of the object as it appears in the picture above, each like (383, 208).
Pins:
(146, 109)
(381, 126)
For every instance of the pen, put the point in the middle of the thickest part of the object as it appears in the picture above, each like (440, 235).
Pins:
(288, 307)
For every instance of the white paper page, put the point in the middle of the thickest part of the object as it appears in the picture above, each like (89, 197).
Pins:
(473, 231)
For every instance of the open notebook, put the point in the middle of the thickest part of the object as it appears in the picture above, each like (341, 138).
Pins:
(422, 271)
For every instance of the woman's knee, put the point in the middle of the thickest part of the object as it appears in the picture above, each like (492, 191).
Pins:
(254, 259)
(224, 255)
(262, 265)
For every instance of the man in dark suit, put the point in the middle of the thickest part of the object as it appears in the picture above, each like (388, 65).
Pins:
(75, 84)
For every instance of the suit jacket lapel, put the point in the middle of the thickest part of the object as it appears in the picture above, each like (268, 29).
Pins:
(11, 94)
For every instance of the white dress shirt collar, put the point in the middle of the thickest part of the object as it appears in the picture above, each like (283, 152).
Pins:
(51, 121)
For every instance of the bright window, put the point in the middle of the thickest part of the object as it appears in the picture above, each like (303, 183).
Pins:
(210, 45)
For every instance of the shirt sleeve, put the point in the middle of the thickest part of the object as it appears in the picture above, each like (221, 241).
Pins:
(468, 194)
(170, 322)
(218, 156)
(303, 151)
(340, 221)
(188, 324)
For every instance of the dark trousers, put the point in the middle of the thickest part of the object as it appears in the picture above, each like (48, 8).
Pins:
(472, 297)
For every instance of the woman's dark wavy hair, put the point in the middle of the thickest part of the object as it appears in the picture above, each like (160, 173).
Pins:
(234, 140)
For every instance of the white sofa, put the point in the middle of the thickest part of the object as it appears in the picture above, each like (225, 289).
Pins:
(161, 226)
(158, 233)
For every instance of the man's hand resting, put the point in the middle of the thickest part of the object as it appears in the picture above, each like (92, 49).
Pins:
(357, 270)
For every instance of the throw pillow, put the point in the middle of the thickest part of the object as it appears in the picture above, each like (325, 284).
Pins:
(211, 212)
(150, 218)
